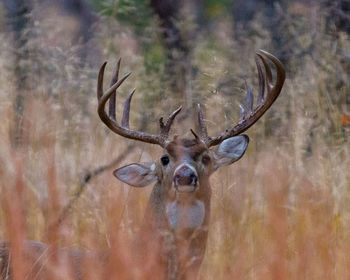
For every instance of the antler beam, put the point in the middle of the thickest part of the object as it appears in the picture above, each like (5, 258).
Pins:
(110, 118)
(248, 115)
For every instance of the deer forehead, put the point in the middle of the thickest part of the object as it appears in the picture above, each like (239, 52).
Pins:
(186, 149)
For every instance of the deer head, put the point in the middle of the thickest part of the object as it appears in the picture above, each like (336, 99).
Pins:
(186, 164)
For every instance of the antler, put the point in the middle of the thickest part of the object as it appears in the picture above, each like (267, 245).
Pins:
(123, 129)
(248, 115)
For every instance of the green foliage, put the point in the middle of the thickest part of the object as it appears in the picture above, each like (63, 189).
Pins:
(135, 13)
(214, 8)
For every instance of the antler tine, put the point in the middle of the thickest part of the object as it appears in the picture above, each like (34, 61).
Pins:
(202, 125)
(280, 74)
(241, 113)
(261, 83)
(165, 128)
(112, 99)
(250, 98)
(126, 111)
(195, 135)
(105, 96)
(247, 119)
(268, 74)
(172, 117)
(100, 81)
(110, 120)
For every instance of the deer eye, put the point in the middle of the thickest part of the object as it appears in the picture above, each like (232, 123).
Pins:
(206, 159)
(164, 160)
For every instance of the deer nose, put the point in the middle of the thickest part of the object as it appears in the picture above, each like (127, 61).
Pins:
(185, 175)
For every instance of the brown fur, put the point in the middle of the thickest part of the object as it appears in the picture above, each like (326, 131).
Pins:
(182, 249)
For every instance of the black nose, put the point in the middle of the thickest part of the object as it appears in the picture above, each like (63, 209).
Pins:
(185, 176)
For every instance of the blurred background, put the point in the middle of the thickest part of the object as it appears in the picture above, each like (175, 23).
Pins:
(281, 212)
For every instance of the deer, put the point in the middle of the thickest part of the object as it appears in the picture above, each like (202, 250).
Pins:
(176, 222)
(179, 203)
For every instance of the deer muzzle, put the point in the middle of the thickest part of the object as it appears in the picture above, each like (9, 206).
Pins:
(185, 178)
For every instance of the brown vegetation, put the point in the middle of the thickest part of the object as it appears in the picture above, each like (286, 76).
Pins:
(280, 213)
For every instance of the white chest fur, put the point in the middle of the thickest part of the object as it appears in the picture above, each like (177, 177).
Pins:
(188, 215)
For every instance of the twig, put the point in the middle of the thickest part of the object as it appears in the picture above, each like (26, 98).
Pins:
(88, 176)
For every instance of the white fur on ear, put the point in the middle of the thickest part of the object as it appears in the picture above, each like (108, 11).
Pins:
(231, 150)
(136, 174)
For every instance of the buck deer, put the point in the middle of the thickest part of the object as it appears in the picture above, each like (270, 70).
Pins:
(176, 221)
(180, 200)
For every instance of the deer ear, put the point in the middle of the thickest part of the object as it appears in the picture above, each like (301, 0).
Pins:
(231, 150)
(137, 174)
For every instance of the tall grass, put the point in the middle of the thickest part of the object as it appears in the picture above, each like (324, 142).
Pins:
(281, 212)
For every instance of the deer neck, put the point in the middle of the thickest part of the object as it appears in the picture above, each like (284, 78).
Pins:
(180, 226)
(183, 211)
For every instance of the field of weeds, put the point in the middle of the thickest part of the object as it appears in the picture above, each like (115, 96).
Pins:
(281, 212)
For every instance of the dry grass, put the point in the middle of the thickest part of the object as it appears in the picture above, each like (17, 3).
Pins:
(279, 213)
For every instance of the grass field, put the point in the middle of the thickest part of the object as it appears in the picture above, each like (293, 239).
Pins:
(281, 212)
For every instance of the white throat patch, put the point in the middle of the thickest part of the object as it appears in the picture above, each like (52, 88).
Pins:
(185, 215)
